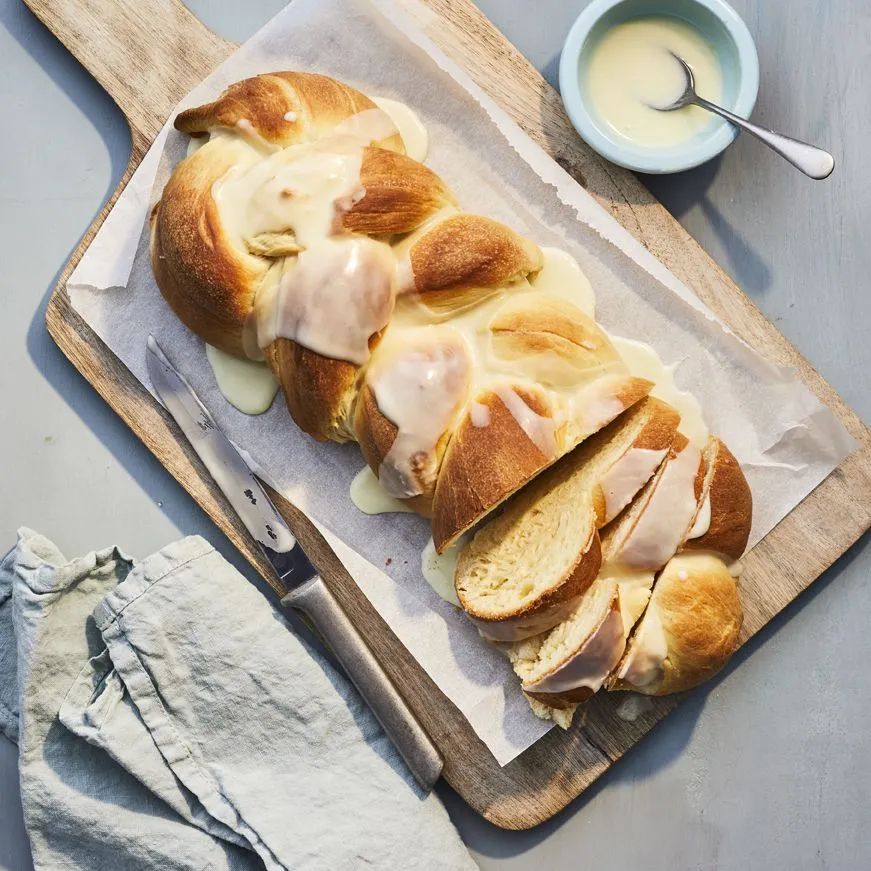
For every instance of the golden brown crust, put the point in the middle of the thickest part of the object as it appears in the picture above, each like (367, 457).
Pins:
(731, 505)
(552, 340)
(565, 699)
(319, 391)
(660, 431)
(702, 619)
(697, 604)
(283, 107)
(483, 466)
(460, 259)
(400, 194)
(208, 283)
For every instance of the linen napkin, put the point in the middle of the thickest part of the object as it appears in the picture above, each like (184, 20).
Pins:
(168, 717)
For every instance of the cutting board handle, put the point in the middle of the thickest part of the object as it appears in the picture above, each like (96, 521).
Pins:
(146, 53)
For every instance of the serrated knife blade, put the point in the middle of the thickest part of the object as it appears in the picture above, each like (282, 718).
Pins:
(306, 590)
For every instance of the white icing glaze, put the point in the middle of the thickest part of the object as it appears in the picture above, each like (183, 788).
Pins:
(627, 476)
(538, 428)
(303, 189)
(246, 385)
(647, 652)
(196, 143)
(630, 71)
(420, 384)
(366, 127)
(519, 628)
(370, 497)
(561, 276)
(438, 568)
(414, 134)
(252, 135)
(702, 523)
(290, 117)
(644, 362)
(633, 589)
(594, 405)
(668, 514)
(633, 707)
(592, 664)
(479, 414)
(331, 299)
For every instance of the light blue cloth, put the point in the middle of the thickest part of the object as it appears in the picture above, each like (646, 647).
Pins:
(168, 718)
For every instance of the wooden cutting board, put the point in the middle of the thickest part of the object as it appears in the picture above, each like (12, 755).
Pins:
(147, 54)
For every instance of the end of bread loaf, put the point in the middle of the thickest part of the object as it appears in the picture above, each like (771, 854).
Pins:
(283, 108)
(205, 278)
(689, 630)
(726, 509)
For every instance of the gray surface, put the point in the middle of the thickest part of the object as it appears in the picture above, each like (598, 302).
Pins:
(770, 766)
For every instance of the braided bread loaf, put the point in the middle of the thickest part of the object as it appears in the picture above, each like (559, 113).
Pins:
(302, 234)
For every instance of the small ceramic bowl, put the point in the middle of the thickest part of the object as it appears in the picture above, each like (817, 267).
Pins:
(721, 27)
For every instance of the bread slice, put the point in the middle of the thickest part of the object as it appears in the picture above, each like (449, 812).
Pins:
(526, 570)
(648, 533)
(689, 630)
(623, 457)
(722, 523)
(572, 661)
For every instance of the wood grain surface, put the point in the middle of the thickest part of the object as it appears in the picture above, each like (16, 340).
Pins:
(147, 54)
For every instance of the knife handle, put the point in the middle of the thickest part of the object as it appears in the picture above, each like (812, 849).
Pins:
(314, 599)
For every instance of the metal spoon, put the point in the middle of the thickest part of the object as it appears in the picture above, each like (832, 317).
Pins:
(809, 159)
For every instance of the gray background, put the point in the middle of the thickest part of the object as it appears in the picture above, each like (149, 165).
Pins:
(768, 767)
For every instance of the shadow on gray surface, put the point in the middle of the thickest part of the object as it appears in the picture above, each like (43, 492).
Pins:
(682, 191)
(66, 381)
(645, 758)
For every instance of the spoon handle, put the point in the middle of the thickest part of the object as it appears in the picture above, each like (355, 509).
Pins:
(809, 159)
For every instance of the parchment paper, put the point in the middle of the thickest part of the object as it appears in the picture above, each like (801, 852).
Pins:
(785, 439)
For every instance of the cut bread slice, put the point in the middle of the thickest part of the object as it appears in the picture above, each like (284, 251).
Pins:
(722, 523)
(526, 570)
(648, 533)
(689, 630)
(572, 661)
(623, 457)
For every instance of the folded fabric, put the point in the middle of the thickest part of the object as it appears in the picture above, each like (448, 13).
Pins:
(167, 717)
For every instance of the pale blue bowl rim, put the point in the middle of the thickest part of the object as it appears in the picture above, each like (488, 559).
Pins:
(675, 158)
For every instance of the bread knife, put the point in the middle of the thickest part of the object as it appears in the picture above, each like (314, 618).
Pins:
(306, 590)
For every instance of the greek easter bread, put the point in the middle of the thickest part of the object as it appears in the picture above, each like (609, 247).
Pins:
(301, 233)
